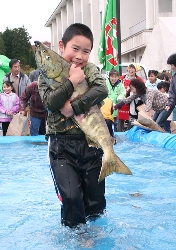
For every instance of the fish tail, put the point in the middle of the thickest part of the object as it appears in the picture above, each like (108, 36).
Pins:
(113, 164)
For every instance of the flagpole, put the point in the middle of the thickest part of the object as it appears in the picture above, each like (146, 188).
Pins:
(119, 35)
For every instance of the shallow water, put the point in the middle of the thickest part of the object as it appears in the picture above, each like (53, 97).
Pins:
(140, 210)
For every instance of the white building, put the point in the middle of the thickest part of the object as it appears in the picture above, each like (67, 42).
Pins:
(138, 21)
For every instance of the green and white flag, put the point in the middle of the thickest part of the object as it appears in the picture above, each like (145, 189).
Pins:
(108, 45)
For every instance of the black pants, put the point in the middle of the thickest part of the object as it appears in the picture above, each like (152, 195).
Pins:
(5, 126)
(76, 168)
(42, 128)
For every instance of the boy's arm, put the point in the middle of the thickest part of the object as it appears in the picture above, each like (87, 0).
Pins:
(96, 93)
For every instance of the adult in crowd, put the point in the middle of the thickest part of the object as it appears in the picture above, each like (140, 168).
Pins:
(19, 79)
(4, 68)
(153, 99)
(38, 113)
(34, 74)
(129, 111)
(172, 92)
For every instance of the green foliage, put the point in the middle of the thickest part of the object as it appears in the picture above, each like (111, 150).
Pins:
(17, 45)
(2, 47)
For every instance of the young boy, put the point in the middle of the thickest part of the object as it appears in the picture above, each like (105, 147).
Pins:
(116, 92)
(75, 166)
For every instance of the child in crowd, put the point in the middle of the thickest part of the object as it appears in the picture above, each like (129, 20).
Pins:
(75, 165)
(172, 91)
(164, 77)
(116, 92)
(9, 105)
(152, 81)
(153, 98)
(107, 111)
(164, 88)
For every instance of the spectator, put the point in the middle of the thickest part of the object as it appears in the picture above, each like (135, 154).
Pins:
(152, 81)
(116, 92)
(34, 74)
(9, 105)
(107, 111)
(163, 86)
(153, 99)
(172, 91)
(164, 77)
(38, 113)
(129, 112)
(4, 69)
(19, 79)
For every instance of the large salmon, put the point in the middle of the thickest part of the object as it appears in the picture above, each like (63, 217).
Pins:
(55, 68)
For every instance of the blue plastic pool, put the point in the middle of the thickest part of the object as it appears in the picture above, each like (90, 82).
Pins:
(141, 209)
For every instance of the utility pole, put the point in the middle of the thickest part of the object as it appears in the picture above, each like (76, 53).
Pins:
(119, 35)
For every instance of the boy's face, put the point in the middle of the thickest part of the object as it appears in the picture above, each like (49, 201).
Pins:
(76, 51)
(113, 78)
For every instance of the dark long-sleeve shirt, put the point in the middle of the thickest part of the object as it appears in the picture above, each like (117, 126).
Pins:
(31, 97)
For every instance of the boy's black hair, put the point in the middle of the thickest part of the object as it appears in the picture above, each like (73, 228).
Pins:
(9, 84)
(152, 71)
(164, 85)
(139, 85)
(113, 71)
(172, 59)
(12, 62)
(77, 29)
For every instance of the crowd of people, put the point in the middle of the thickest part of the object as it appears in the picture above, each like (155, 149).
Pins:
(75, 166)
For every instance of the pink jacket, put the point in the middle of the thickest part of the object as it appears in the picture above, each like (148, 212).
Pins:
(8, 102)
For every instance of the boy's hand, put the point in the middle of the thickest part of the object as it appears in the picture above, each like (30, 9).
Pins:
(67, 110)
(76, 75)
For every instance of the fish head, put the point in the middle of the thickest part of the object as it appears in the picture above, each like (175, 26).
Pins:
(50, 64)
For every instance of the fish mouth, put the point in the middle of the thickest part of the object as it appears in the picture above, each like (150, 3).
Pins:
(38, 57)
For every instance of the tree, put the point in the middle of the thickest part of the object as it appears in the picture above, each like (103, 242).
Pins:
(2, 47)
(17, 45)
(7, 36)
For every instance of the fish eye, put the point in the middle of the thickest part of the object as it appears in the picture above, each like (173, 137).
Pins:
(47, 57)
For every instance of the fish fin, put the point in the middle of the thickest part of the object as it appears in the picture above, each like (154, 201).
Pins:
(111, 165)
